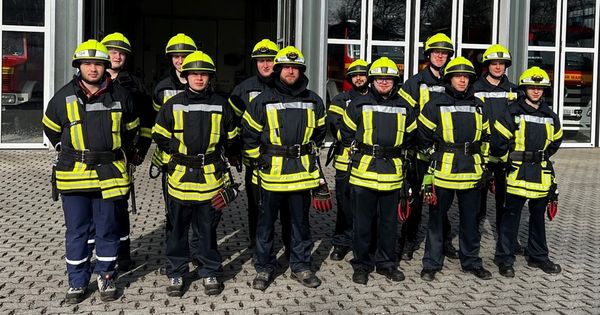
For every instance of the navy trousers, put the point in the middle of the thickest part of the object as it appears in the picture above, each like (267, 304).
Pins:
(343, 223)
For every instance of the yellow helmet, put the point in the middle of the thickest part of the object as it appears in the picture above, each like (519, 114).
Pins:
(534, 76)
(459, 64)
(91, 50)
(384, 67)
(439, 41)
(197, 61)
(180, 43)
(265, 49)
(497, 52)
(289, 55)
(358, 66)
(117, 41)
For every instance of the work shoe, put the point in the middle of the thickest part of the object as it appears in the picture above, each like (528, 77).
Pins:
(212, 286)
(307, 278)
(428, 274)
(392, 274)
(75, 295)
(506, 270)
(175, 287)
(519, 249)
(261, 281)
(479, 272)
(360, 276)
(339, 252)
(547, 266)
(407, 251)
(125, 264)
(107, 288)
(450, 251)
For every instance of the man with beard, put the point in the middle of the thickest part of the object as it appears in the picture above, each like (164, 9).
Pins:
(453, 127)
(263, 54)
(342, 237)
(417, 91)
(377, 127)
(527, 135)
(119, 51)
(282, 130)
(92, 123)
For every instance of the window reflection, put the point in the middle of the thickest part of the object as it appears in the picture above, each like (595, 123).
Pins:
(580, 23)
(542, 23)
(544, 60)
(344, 19)
(339, 57)
(577, 109)
(389, 18)
(22, 87)
(436, 17)
(23, 12)
(395, 53)
(477, 21)
(475, 55)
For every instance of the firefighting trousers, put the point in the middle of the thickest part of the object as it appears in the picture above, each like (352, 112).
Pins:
(500, 179)
(537, 247)
(370, 206)
(253, 195)
(81, 211)
(468, 234)
(343, 223)
(298, 205)
(204, 220)
(410, 228)
(123, 230)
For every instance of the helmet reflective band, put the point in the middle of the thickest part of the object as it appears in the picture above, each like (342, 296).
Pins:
(459, 64)
(197, 61)
(117, 41)
(264, 49)
(90, 50)
(92, 53)
(180, 43)
(534, 76)
(289, 55)
(384, 67)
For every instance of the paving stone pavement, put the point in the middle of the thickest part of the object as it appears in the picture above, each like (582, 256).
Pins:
(33, 273)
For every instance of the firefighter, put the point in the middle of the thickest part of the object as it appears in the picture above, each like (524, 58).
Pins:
(282, 129)
(417, 90)
(177, 48)
(377, 127)
(453, 126)
(119, 50)
(356, 75)
(91, 122)
(196, 127)
(527, 135)
(263, 54)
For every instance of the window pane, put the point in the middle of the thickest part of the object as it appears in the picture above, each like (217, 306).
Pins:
(23, 12)
(389, 17)
(22, 87)
(542, 23)
(477, 21)
(474, 55)
(436, 17)
(577, 109)
(344, 19)
(339, 57)
(580, 23)
(395, 53)
(544, 60)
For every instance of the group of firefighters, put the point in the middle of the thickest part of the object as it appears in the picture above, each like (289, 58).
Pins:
(442, 133)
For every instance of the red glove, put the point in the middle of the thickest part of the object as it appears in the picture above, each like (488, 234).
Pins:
(321, 199)
(492, 186)
(404, 209)
(552, 209)
(225, 196)
(428, 190)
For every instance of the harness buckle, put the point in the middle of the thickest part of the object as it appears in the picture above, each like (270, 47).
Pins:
(298, 150)
(202, 158)
(376, 150)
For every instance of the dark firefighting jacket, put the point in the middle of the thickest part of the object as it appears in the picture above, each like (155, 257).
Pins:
(164, 90)
(281, 129)
(143, 107)
(94, 134)
(242, 96)
(195, 129)
(335, 120)
(496, 99)
(455, 125)
(383, 127)
(416, 90)
(526, 137)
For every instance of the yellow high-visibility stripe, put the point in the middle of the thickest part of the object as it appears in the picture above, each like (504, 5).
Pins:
(238, 112)
(558, 135)
(400, 127)
(310, 125)
(367, 118)
(520, 136)
(423, 97)
(478, 126)
(447, 160)
(132, 125)
(447, 127)
(365, 161)
(233, 133)
(273, 121)
(407, 97)
(146, 132)
(116, 129)
(428, 123)
(156, 106)
(215, 132)
(256, 126)
(348, 121)
(502, 130)
(252, 153)
(336, 109)
(76, 130)
(549, 135)
(276, 165)
(321, 121)
(178, 130)
(50, 124)
(161, 131)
